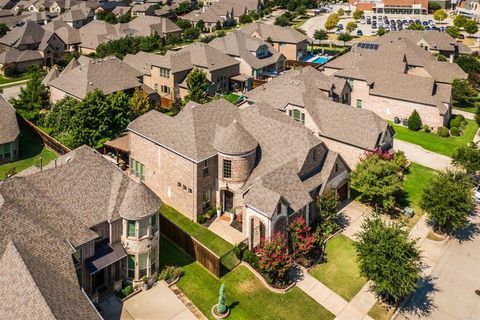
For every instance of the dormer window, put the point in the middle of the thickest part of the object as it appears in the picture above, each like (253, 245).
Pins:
(297, 115)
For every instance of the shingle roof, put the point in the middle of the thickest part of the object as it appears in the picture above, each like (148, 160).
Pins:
(85, 75)
(234, 140)
(204, 56)
(16, 56)
(276, 33)
(29, 33)
(9, 129)
(305, 88)
(238, 44)
(41, 211)
(283, 143)
(217, 10)
(175, 61)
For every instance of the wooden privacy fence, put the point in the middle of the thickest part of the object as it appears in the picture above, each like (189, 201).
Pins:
(191, 246)
(47, 140)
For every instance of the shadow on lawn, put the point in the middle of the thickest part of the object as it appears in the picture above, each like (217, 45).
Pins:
(30, 146)
(421, 302)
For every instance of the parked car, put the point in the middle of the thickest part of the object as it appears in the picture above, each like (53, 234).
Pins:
(362, 21)
(374, 17)
(369, 21)
(340, 26)
(427, 28)
(461, 36)
(477, 194)
(393, 27)
(359, 33)
(425, 23)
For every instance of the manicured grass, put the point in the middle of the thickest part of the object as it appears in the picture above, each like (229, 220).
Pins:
(31, 150)
(380, 311)
(4, 80)
(414, 182)
(231, 97)
(431, 141)
(199, 232)
(245, 295)
(472, 109)
(340, 272)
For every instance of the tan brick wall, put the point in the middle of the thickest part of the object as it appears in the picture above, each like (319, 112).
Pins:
(290, 50)
(163, 170)
(241, 167)
(206, 183)
(116, 229)
(56, 94)
(388, 108)
(350, 154)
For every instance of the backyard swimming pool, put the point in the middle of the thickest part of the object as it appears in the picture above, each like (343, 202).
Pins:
(321, 60)
(316, 58)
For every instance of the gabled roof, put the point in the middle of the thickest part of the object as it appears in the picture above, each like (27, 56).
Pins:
(41, 212)
(9, 129)
(306, 88)
(238, 44)
(217, 10)
(17, 56)
(85, 75)
(275, 33)
(29, 33)
(204, 56)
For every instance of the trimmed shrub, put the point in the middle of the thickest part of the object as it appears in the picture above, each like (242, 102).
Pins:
(201, 218)
(240, 249)
(250, 257)
(443, 132)
(414, 121)
(456, 122)
(455, 131)
(426, 128)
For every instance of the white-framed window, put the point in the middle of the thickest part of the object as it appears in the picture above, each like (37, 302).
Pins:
(359, 103)
(131, 266)
(142, 264)
(137, 169)
(297, 115)
(164, 72)
(206, 203)
(143, 227)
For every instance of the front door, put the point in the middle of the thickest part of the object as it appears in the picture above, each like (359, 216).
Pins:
(227, 201)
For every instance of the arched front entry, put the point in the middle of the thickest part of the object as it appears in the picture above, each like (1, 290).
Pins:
(257, 232)
(280, 226)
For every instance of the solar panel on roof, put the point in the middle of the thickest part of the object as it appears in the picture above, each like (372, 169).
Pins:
(369, 46)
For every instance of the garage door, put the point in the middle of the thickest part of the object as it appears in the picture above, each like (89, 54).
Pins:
(343, 192)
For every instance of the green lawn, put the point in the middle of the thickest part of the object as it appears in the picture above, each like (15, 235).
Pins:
(31, 150)
(414, 181)
(246, 296)
(471, 109)
(4, 80)
(340, 272)
(380, 311)
(199, 232)
(435, 143)
(231, 97)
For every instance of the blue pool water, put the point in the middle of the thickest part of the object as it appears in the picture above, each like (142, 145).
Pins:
(308, 56)
(321, 60)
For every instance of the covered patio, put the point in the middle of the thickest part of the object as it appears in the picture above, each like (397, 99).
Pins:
(118, 151)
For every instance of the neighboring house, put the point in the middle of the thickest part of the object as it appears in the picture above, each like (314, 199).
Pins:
(77, 16)
(69, 36)
(98, 32)
(84, 75)
(119, 11)
(75, 230)
(391, 6)
(59, 6)
(313, 99)
(434, 42)
(393, 78)
(31, 36)
(257, 58)
(167, 74)
(146, 9)
(286, 40)
(468, 8)
(9, 133)
(20, 60)
(260, 165)
(221, 11)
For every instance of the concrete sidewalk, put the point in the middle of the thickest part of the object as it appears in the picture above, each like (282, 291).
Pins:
(422, 156)
(329, 299)
(225, 231)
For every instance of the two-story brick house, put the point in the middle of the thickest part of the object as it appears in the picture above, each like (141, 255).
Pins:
(74, 230)
(260, 165)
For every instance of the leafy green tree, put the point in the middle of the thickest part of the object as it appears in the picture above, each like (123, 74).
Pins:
(471, 27)
(340, 12)
(125, 18)
(183, 24)
(59, 117)
(357, 14)
(282, 21)
(448, 201)
(107, 17)
(463, 94)
(440, 15)
(460, 21)
(433, 6)
(381, 31)
(32, 98)
(197, 84)
(388, 258)
(332, 21)
(414, 121)
(415, 26)
(320, 34)
(140, 103)
(345, 37)
(100, 118)
(67, 57)
(468, 158)
(3, 29)
(453, 31)
(328, 205)
(218, 25)
(351, 26)
(301, 10)
(378, 181)
(200, 25)
(191, 33)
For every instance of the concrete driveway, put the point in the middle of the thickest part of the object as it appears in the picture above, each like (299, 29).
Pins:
(422, 156)
(352, 216)
(12, 92)
(158, 303)
(449, 292)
